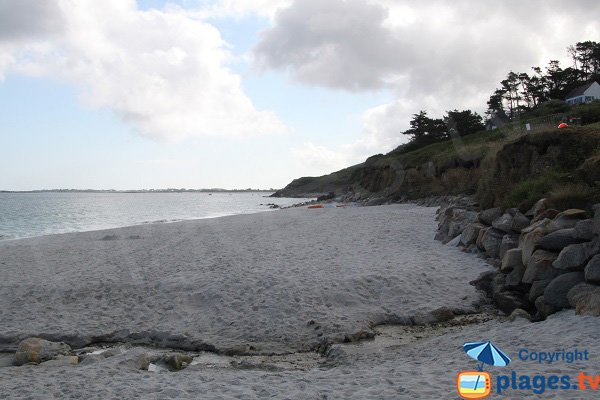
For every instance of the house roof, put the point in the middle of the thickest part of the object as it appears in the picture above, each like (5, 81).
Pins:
(580, 90)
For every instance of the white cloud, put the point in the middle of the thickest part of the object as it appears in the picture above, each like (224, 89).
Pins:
(433, 56)
(163, 71)
(382, 127)
(419, 48)
(318, 160)
(241, 9)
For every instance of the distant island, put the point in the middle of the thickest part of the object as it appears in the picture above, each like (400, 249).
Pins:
(170, 190)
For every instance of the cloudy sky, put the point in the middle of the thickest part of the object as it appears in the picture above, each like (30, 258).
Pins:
(240, 93)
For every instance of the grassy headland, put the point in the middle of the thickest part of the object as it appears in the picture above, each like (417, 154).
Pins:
(503, 167)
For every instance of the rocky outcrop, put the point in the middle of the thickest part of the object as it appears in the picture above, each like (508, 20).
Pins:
(511, 259)
(530, 237)
(489, 241)
(488, 216)
(542, 262)
(539, 266)
(584, 230)
(470, 234)
(37, 350)
(592, 270)
(558, 240)
(576, 255)
(556, 292)
(453, 221)
(585, 298)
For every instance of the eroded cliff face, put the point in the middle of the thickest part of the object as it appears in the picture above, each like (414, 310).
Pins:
(573, 153)
(571, 156)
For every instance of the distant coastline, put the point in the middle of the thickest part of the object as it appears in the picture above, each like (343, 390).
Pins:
(213, 190)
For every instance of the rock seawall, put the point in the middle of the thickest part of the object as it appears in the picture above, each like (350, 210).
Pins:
(545, 260)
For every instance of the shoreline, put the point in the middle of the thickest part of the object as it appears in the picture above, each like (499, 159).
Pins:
(79, 223)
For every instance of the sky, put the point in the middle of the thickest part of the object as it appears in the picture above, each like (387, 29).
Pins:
(125, 94)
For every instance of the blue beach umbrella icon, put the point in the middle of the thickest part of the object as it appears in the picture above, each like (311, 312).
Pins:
(486, 353)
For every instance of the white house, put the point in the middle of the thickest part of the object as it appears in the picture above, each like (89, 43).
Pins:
(584, 94)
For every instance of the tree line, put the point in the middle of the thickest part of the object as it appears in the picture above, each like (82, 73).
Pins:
(521, 92)
(518, 93)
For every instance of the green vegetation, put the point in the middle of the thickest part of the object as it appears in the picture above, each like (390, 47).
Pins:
(525, 194)
(450, 151)
(510, 166)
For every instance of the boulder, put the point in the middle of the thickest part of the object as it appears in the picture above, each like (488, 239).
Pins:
(538, 207)
(489, 241)
(515, 277)
(596, 227)
(537, 289)
(575, 256)
(530, 236)
(519, 222)
(508, 242)
(511, 259)
(592, 270)
(37, 350)
(453, 221)
(556, 292)
(544, 309)
(558, 240)
(461, 219)
(444, 225)
(503, 223)
(584, 229)
(454, 242)
(585, 298)
(62, 361)
(490, 215)
(470, 233)
(539, 266)
(568, 219)
(550, 214)
(134, 359)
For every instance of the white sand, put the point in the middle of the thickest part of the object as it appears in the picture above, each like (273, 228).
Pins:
(259, 279)
(250, 279)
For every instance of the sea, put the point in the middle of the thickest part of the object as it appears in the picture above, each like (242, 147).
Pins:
(43, 213)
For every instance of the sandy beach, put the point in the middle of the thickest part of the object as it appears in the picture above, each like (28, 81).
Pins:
(265, 303)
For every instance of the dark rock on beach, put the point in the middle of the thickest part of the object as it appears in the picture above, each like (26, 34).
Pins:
(576, 255)
(37, 350)
(558, 240)
(503, 223)
(471, 232)
(489, 241)
(592, 270)
(584, 229)
(490, 215)
(585, 298)
(556, 292)
(539, 266)
(509, 242)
